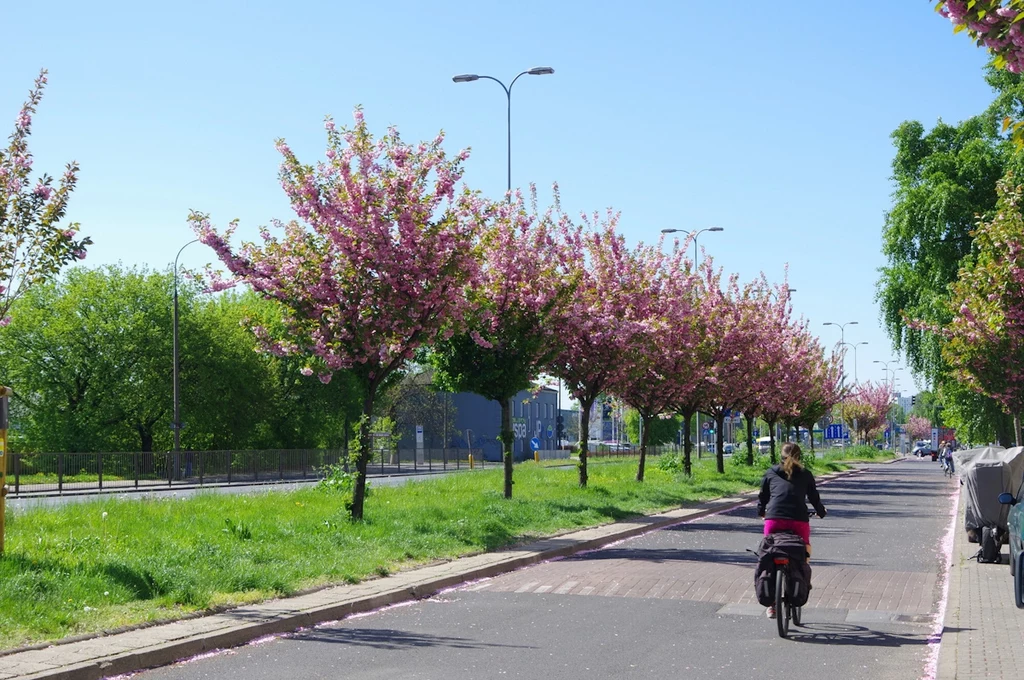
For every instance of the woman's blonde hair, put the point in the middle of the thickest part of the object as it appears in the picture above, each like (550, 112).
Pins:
(791, 458)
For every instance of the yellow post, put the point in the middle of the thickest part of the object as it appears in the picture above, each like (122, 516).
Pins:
(536, 456)
(471, 461)
(5, 392)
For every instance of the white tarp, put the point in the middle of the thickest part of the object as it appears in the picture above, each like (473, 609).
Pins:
(985, 473)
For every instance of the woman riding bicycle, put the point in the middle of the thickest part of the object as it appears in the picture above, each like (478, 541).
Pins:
(785, 491)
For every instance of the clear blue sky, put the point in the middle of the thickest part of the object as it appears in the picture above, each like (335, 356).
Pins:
(770, 121)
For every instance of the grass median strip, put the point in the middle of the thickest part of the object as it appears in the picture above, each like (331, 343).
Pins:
(113, 562)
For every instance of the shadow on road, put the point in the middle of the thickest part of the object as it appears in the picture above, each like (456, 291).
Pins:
(390, 639)
(852, 635)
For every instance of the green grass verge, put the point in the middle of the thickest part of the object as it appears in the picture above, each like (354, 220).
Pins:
(109, 563)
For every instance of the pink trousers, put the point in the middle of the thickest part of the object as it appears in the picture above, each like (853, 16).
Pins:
(801, 529)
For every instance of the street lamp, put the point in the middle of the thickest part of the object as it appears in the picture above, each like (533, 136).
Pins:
(842, 376)
(695, 234)
(537, 71)
(176, 425)
(854, 346)
(886, 369)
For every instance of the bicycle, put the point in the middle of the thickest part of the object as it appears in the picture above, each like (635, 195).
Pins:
(784, 611)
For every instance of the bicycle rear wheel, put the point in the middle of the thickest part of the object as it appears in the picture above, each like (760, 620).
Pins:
(797, 613)
(781, 606)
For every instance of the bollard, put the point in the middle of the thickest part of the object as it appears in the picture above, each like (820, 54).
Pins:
(5, 393)
(536, 456)
(471, 461)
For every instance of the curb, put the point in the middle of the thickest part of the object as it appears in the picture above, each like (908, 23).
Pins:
(108, 655)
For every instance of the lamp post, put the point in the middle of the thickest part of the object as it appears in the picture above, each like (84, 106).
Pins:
(176, 425)
(842, 338)
(842, 376)
(886, 369)
(854, 346)
(536, 71)
(695, 234)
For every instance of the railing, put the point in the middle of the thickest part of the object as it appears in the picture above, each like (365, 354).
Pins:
(69, 473)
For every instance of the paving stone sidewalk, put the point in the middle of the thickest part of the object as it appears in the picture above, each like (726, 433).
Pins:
(983, 634)
(119, 653)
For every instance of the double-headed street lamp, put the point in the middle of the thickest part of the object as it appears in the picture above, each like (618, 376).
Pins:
(695, 234)
(537, 71)
(886, 370)
(854, 346)
(176, 425)
(842, 336)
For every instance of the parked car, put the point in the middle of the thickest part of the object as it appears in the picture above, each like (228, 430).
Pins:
(923, 448)
(1015, 525)
(728, 449)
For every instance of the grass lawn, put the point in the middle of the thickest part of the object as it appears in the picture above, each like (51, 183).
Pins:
(108, 563)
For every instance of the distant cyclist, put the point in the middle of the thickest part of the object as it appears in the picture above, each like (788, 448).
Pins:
(785, 491)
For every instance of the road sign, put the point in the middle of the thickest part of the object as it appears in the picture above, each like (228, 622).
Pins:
(419, 436)
(706, 426)
(836, 432)
(535, 444)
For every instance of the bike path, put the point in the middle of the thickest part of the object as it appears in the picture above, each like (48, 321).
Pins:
(681, 601)
(673, 602)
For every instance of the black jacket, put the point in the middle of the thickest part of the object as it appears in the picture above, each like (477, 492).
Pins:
(782, 498)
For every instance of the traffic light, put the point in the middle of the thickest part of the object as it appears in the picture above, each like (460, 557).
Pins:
(560, 427)
(913, 400)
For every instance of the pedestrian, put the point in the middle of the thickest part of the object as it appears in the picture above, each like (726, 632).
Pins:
(786, 489)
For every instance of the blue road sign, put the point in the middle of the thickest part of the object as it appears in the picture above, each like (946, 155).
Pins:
(535, 444)
(836, 432)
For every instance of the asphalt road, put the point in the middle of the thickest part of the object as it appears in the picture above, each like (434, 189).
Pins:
(676, 602)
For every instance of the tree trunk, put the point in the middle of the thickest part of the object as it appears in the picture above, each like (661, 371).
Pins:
(1016, 428)
(146, 438)
(644, 423)
(508, 439)
(771, 435)
(750, 438)
(585, 406)
(365, 451)
(720, 441)
(687, 444)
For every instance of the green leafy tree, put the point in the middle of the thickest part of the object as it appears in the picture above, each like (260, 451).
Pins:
(90, 362)
(985, 341)
(661, 430)
(88, 358)
(944, 178)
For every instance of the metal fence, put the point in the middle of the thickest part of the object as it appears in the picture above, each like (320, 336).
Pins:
(69, 473)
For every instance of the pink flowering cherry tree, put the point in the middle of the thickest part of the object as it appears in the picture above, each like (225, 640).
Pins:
(998, 26)
(824, 388)
(771, 327)
(512, 331)
(666, 307)
(689, 357)
(375, 268)
(869, 404)
(594, 328)
(985, 340)
(34, 246)
(919, 427)
(790, 379)
(733, 331)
